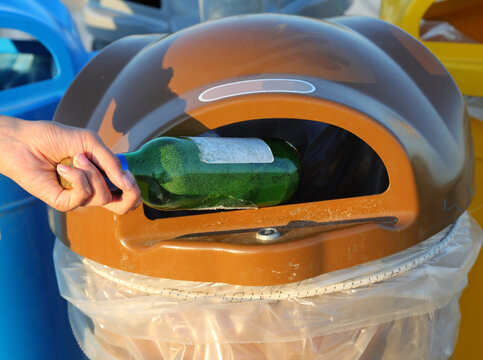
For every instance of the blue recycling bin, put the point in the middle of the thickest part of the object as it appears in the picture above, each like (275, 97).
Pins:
(40, 53)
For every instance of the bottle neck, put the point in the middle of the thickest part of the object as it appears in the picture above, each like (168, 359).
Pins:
(124, 166)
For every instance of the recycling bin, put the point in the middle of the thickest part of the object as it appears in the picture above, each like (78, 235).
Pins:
(40, 53)
(366, 261)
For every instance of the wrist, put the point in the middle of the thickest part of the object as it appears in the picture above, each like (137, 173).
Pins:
(9, 128)
(9, 141)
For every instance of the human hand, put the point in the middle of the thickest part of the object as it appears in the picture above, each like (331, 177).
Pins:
(32, 150)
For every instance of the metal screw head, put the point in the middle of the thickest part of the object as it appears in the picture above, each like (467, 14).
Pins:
(267, 234)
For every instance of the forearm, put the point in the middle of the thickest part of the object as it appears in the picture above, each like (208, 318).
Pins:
(10, 135)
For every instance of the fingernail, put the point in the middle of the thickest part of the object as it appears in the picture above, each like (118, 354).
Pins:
(81, 160)
(62, 168)
(128, 180)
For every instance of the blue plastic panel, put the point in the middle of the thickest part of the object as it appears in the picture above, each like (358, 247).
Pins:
(34, 323)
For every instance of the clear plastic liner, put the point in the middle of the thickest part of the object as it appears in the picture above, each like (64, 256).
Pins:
(402, 306)
(475, 106)
(432, 30)
(443, 31)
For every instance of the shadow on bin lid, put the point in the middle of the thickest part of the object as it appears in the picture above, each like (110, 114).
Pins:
(360, 75)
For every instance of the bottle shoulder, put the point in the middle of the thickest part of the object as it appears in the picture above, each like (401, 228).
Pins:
(163, 144)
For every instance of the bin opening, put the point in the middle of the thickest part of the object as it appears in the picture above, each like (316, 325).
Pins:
(336, 163)
(453, 20)
(23, 59)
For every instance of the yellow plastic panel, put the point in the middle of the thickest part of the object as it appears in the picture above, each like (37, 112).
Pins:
(469, 339)
(463, 60)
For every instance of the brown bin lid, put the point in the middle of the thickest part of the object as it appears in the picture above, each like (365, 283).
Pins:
(360, 74)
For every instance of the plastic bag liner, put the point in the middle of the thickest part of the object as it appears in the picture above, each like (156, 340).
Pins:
(402, 306)
(432, 30)
(475, 106)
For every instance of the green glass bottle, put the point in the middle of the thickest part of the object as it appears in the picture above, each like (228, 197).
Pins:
(214, 173)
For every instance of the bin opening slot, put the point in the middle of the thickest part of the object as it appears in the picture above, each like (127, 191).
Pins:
(336, 164)
(23, 59)
(459, 21)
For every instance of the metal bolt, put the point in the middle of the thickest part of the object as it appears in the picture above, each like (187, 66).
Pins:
(267, 234)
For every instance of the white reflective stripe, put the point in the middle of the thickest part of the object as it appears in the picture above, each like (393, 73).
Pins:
(256, 86)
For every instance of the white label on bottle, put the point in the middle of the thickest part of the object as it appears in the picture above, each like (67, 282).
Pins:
(233, 150)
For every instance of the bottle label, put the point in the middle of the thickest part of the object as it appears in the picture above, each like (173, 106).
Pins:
(233, 150)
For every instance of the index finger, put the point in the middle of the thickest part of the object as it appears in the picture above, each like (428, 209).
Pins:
(111, 165)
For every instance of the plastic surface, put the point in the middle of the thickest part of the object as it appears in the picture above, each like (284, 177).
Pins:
(17, 69)
(49, 23)
(468, 345)
(463, 60)
(33, 315)
(455, 37)
(443, 31)
(31, 310)
(110, 20)
(403, 306)
(475, 109)
(374, 81)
